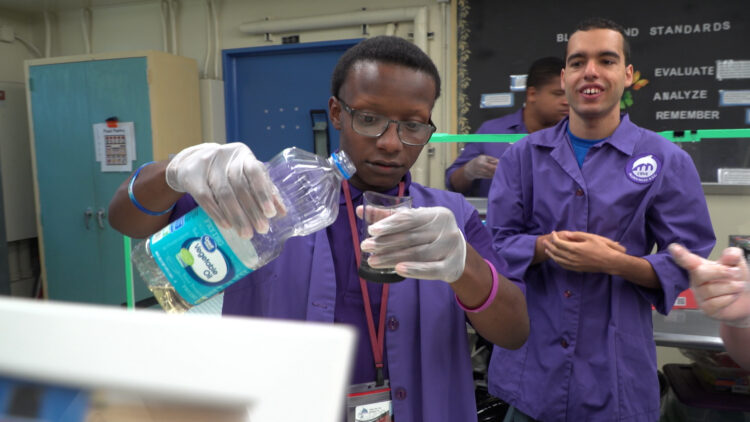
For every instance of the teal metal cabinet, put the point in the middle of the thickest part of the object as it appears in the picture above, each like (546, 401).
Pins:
(82, 257)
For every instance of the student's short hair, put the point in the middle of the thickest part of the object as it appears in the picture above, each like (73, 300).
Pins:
(384, 49)
(604, 23)
(543, 71)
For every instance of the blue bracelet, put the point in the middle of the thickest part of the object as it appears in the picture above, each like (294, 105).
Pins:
(136, 203)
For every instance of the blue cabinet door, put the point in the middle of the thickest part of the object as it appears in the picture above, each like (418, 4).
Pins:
(119, 88)
(83, 258)
(64, 156)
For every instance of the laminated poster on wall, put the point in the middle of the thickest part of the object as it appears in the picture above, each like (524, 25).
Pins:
(115, 146)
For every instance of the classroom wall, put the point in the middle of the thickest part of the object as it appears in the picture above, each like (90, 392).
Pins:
(17, 202)
(138, 26)
(13, 54)
(730, 214)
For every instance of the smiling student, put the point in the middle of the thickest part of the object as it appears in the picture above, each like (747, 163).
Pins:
(576, 210)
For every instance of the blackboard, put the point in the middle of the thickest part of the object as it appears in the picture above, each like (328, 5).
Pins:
(694, 55)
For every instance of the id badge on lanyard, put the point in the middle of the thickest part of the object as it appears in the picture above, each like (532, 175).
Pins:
(369, 402)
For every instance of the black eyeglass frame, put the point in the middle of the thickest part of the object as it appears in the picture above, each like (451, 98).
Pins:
(351, 112)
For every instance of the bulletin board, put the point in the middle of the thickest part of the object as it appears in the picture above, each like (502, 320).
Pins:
(691, 61)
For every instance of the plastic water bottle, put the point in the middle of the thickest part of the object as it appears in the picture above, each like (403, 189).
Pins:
(192, 259)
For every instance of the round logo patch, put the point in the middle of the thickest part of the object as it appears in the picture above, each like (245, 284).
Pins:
(643, 169)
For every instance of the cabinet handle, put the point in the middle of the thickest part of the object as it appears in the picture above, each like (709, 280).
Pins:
(87, 216)
(100, 217)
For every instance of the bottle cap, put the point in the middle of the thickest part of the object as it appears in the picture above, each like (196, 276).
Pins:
(344, 164)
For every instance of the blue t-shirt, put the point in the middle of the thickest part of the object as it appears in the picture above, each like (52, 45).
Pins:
(581, 146)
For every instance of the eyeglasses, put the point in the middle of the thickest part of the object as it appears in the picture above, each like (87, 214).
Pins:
(374, 125)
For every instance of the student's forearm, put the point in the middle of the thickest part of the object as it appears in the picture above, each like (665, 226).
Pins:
(459, 182)
(505, 322)
(636, 270)
(152, 192)
(539, 254)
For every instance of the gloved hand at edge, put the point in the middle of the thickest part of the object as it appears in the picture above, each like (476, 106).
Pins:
(722, 287)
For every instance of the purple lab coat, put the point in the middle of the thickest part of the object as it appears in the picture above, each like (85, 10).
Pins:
(428, 355)
(512, 123)
(591, 354)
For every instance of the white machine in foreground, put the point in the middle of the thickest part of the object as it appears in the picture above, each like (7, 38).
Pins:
(277, 370)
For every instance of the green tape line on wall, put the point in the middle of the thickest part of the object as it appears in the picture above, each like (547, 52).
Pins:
(672, 135)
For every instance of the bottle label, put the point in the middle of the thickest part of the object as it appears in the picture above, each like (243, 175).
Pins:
(196, 258)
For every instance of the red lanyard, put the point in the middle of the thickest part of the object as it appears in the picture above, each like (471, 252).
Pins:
(377, 340)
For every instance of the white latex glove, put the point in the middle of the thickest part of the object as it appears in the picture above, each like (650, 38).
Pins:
(229, 183)
(419, 242)
(722, 287)
(480, 167)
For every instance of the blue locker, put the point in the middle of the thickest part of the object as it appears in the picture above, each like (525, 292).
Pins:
(82, 257)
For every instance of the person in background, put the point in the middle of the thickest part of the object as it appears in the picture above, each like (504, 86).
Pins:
(584, 212)
(722, 289)
(545, 105)
(412, 333)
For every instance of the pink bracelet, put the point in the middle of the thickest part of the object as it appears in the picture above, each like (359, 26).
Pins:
(490, 298)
